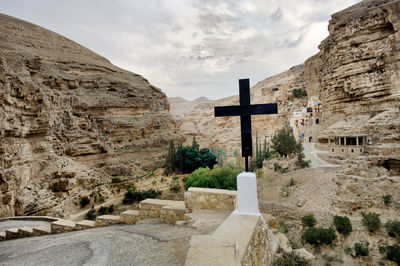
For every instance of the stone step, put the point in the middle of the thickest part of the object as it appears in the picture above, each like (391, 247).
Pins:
(130, 216)
(85, 224)
(25, 231)
(170, 214)
(41, 230)
(151, 208)
(2, 236)
(62, 226)
(11, 233)
(108, 219)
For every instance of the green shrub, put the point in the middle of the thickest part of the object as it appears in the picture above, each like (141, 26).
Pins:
(91, 214)
(393, 228)
(291, 259)
(187, 159)
(132, 195)
(110, 209)
(393, 253)
(308, 220)
(277, 166)
(103, 210)
(84, 201)
(282, 227)
(175, 186)
(342, 224)
(284, 142)
(387, 199)
(299, 93)
(361, 249)
(371, 221)
(220, 177)
(316, 236)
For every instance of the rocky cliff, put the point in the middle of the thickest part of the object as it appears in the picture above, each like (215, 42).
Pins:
(69, 120)
(356, 73)
(224, 132)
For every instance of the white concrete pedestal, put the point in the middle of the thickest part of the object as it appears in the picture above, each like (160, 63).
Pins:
(247, 202)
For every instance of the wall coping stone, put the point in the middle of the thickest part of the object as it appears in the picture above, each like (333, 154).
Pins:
(212, 191)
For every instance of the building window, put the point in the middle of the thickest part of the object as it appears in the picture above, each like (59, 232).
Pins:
(352, 150)
(333, 150)
(342, 150)
(317, 121)
(360, 150)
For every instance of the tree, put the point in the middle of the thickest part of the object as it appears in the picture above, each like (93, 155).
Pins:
(170, 162)
(221, 155)
(187, 159)
(208, 158)
(195, 145)
(284, 142)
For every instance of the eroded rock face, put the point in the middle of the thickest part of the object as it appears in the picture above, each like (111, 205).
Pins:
(224, 132)
(356, 73)
(68, 116)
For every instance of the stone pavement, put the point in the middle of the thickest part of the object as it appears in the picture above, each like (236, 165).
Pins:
(139, 244)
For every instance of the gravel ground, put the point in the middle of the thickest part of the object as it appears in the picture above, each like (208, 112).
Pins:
(18, 224)
(140, 244)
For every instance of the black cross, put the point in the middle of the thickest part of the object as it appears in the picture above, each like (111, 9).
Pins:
(245, 110)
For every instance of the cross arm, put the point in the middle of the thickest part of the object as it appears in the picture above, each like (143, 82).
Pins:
(233, 110)
(261, 109)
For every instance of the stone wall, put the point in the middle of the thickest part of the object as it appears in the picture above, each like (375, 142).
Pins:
(208, 198)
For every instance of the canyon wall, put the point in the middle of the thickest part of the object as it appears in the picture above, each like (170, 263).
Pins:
(69, 120)
(356, 73)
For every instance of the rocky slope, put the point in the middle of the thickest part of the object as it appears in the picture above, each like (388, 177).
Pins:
(224, 132)
(69, 120)
(356, 73)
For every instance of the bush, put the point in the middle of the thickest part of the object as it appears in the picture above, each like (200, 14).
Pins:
(371, 221)
(132, 195)
(291, 259)
(103, 210)
(282, 227)
(393, 253)
(308, 220)
(277, 166)
(299, 93)
(292, 182)
(284, 142)
(361, 249)
(342, 224)
(393, 228)
(175, 186)
(91, 214)
(110, 209)
(387, 199)
(220, 177)
(316, 236)
(188, 159)
(84, 201)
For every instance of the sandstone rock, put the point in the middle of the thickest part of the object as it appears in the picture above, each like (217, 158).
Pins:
(67, 116)
(302, 252)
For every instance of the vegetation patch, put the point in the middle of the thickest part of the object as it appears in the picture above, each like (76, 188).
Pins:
(387, 199)
(84, 201)
(132, 195)
(393, 228)
(316, 236)
(175, 185)
(91, 214)
(372, 221)
(308, 220)
(219, 177)
(291, 259)
(342, 224)
(393, 253)
(299, 93)
(361, 249)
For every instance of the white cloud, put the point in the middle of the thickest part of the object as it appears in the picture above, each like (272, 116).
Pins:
(190, 48)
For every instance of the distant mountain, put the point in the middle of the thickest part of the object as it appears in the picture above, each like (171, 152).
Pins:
(179, 106)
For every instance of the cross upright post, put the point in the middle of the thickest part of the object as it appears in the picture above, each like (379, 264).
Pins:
(245, 110)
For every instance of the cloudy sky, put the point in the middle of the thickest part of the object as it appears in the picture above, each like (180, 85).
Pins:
(190, 48)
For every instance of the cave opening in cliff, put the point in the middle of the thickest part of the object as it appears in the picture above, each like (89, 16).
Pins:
(389, 28)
